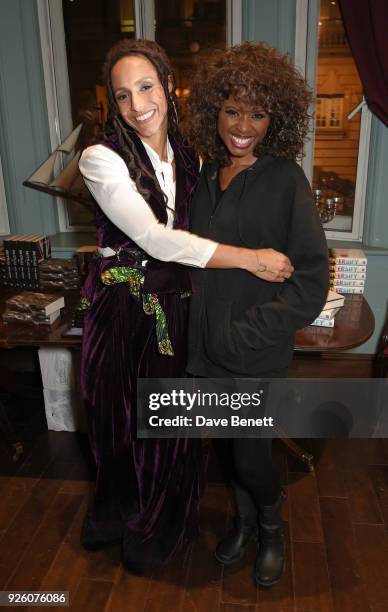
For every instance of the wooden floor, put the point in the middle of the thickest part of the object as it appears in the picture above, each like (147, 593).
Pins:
(336, 522)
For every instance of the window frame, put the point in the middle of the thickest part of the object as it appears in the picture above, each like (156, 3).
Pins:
(53, 46)
(4, 220)
(305, 58)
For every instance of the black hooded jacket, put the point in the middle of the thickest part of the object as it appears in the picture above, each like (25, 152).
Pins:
(241, 325)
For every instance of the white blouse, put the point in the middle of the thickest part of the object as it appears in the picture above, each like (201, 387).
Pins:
(106, 176)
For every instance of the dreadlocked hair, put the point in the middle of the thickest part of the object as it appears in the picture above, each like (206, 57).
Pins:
(158, 58)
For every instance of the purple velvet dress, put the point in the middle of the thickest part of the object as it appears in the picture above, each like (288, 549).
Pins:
(147, 491)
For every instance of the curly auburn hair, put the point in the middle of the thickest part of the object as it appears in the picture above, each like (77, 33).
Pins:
(258, 76)
(151, 51)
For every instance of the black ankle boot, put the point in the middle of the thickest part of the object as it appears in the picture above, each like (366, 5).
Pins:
(270, 561)
(231, 548)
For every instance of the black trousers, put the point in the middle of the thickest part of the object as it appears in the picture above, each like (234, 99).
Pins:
(252, 466)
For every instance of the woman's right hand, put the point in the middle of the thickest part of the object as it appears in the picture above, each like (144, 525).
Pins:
(268, 264)
(271, 265)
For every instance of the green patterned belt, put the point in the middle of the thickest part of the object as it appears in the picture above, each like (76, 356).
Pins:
(151, 305)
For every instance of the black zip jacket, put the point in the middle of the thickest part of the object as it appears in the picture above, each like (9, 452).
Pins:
(241, 325)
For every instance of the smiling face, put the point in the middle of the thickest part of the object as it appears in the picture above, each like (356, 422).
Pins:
(140, 97)
(241, 127)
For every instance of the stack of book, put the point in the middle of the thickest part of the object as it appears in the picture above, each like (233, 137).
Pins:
(23, 253)
(33, 308)
(347, 269)
(334, 303)
(59, 274)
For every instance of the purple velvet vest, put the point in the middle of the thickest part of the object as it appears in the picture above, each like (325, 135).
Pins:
(160, 277)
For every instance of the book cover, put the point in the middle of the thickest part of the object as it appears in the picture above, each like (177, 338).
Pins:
(343, 268)
(347, 282)
(35, 318)
(329, 313)
(24, 259)
(3, 269)
(323, 323)
(334, 300)
(12, 247)
(38, 248)
(7, 260)
(343, 289)
(10, 254)
(348, 275)
(35, 302)
(348, 256)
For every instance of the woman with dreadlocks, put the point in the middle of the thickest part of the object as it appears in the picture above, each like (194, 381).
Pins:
(248, 119)
(141, 178)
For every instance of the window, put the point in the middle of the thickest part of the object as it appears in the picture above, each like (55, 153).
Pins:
(76, 35)
(4, 225)
(336, 159)
(185, 29)
(329, 114)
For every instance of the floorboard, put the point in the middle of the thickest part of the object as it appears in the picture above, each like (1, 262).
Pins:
(335, 518)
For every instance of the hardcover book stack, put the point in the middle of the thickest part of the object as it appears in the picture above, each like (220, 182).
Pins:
(347, 269)
(23, 253)
(59, 274)
(33, 308)
(334, 303)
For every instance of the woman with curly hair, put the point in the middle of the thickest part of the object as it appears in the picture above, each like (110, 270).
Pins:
(248, 118)
(141, 178)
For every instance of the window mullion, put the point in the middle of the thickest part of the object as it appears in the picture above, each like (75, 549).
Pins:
(4, 222)
(144, 19)
(52, 37)
(362, 172)
(305, 58)
(233, 22)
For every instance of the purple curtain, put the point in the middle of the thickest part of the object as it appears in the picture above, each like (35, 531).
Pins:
(366, 25)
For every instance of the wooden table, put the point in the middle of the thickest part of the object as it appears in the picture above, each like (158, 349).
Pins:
(354, 325)
(19, 334)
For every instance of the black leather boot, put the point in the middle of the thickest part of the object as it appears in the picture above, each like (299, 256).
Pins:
(270, 561)
(231, 548)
